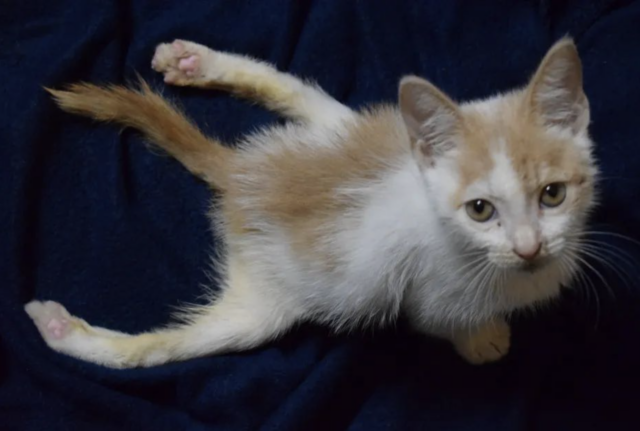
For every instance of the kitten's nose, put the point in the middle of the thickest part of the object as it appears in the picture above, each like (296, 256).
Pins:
(528, 253)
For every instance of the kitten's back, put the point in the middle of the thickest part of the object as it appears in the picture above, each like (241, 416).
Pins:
(296, 176)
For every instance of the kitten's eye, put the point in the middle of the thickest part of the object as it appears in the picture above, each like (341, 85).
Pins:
(480, 210)
(553, 195)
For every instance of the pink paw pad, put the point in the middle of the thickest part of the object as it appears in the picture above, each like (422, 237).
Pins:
(57, 327)
(189, 65)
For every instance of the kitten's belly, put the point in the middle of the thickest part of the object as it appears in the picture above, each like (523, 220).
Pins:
(346, 300)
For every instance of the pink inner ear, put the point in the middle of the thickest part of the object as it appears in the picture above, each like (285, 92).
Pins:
(427, 112)
(557, 93)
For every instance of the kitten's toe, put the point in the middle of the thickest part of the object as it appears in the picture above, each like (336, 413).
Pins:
(166, 54)
(486, 345)
(160, 62)
(52, 320)
(180, 61)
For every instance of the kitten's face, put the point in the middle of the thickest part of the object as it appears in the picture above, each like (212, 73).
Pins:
(515, 189)
(512, 175)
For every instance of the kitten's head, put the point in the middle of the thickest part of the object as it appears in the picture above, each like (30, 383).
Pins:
(513, 175)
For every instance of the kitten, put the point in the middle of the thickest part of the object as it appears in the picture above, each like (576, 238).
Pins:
(453, 214)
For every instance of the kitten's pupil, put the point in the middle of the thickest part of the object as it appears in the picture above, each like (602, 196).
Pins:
(478, 206)
(552, 190)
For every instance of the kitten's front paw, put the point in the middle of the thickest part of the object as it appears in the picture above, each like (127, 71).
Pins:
(180, 61)
(488, 343)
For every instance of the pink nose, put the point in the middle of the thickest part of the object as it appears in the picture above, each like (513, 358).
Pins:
(530, 253)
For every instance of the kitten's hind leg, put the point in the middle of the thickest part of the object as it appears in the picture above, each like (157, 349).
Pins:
(190, 64)
(242, 318)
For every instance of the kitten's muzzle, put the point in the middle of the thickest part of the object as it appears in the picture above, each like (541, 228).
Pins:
(526, 242)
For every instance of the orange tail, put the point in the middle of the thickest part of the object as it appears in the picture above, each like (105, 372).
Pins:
(164, 124)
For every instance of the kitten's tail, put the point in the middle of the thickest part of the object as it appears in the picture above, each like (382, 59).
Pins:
(164, 124)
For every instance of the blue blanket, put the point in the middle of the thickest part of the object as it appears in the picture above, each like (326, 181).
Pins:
(89, 217)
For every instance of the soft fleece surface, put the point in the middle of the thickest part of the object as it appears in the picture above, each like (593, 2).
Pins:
(92, 219)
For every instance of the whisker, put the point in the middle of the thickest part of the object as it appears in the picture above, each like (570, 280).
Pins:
(588, 284)
(565, 269)
(479, 276)
(607, 258)
(499, 281)
(473, 254)
(611, 253)
(471, 263)
(612, 234)
(624, 277)
(628, 258)
(597, 273)
(482, 285)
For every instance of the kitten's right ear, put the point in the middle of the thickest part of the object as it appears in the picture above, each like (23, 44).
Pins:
(432, 119)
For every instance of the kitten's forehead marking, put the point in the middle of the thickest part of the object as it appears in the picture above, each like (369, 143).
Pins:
(491, 174)
(503, 179)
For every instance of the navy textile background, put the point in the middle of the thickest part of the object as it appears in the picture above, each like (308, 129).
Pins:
(92, 219)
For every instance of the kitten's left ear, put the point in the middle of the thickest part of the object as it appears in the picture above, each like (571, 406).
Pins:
(555, 93)
(432, 119)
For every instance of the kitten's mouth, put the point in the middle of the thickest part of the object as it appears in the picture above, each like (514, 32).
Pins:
(534, 266)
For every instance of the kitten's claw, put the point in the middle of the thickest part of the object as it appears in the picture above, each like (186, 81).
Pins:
(487, 344)
(52, 320)
(180, 61)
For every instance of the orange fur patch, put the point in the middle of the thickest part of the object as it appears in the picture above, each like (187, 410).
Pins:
(298, 190)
